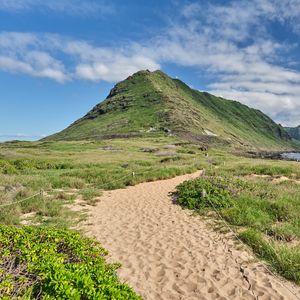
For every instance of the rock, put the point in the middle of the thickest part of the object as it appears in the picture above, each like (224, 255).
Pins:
(203, 148)
(13, 188)
(149, 150)
(165, 129)
(8, 153)
(151, 129)
(170, 147)
(166, 153)
(109, 148)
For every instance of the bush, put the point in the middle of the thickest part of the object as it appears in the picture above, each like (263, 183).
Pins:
(65, 181)
(7, 168)
(203, 193)
(38, 164)
(44, 263)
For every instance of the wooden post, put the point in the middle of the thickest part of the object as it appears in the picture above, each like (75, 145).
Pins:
(42, 195)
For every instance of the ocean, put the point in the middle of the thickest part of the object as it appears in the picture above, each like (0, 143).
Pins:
(290, 155)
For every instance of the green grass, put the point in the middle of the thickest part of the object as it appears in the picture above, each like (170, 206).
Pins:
(90, 194)
(85, 168)
(285, 259)
(67, 170)
(44, 263)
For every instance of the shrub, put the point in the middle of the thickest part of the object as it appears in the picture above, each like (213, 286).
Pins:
(38, 164)
(7, 168)
(44, 263)
(65, 181)
(203, 193)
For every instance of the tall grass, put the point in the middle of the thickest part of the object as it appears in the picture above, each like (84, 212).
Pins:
(266, 215)
(86, 168)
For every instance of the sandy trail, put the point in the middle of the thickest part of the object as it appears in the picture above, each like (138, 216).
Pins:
(167, 253)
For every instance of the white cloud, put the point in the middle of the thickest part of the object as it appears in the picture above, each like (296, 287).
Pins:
(12, 65)
(114, 68)
(231, 43)
(238, 19)
(109, 64)
(43, 56)
(76, 7)
(20, 53)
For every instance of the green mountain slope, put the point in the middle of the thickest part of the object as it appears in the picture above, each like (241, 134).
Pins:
(148, 103)
(294, 132)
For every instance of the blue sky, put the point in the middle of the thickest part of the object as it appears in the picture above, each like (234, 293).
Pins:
(60, 58)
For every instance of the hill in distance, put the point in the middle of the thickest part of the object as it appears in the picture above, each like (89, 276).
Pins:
(150, 103)
(294, 132)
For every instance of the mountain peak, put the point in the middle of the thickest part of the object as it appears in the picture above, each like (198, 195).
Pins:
(146, 73)
(148, 103)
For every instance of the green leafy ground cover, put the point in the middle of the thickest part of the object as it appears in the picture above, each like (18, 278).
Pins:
(45, 263)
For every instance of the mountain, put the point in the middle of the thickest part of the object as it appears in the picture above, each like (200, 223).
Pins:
(294, 132)
(151, 103)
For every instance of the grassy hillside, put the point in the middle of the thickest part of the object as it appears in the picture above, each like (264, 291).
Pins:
(151, 103)
(132, 107)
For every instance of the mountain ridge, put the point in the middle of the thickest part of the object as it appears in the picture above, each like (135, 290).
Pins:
(294, 132)
(148, 103)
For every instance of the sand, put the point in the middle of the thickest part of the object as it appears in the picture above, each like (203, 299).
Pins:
(166, 252)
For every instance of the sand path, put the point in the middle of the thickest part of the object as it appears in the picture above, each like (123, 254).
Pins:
(167, 253)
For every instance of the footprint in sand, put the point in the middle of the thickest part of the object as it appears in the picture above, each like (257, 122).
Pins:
(168, 254)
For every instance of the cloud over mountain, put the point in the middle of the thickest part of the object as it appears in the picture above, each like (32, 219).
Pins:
(232, 44)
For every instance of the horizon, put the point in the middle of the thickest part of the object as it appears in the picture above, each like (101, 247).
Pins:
(58, 60)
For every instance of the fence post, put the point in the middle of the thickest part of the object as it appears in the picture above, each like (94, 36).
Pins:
(42, 195)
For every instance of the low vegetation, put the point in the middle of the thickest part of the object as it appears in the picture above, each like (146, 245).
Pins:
(39, 181)
(248, 193)
(65, 170)
(40, 261)
(264, 211)
(45, 263)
